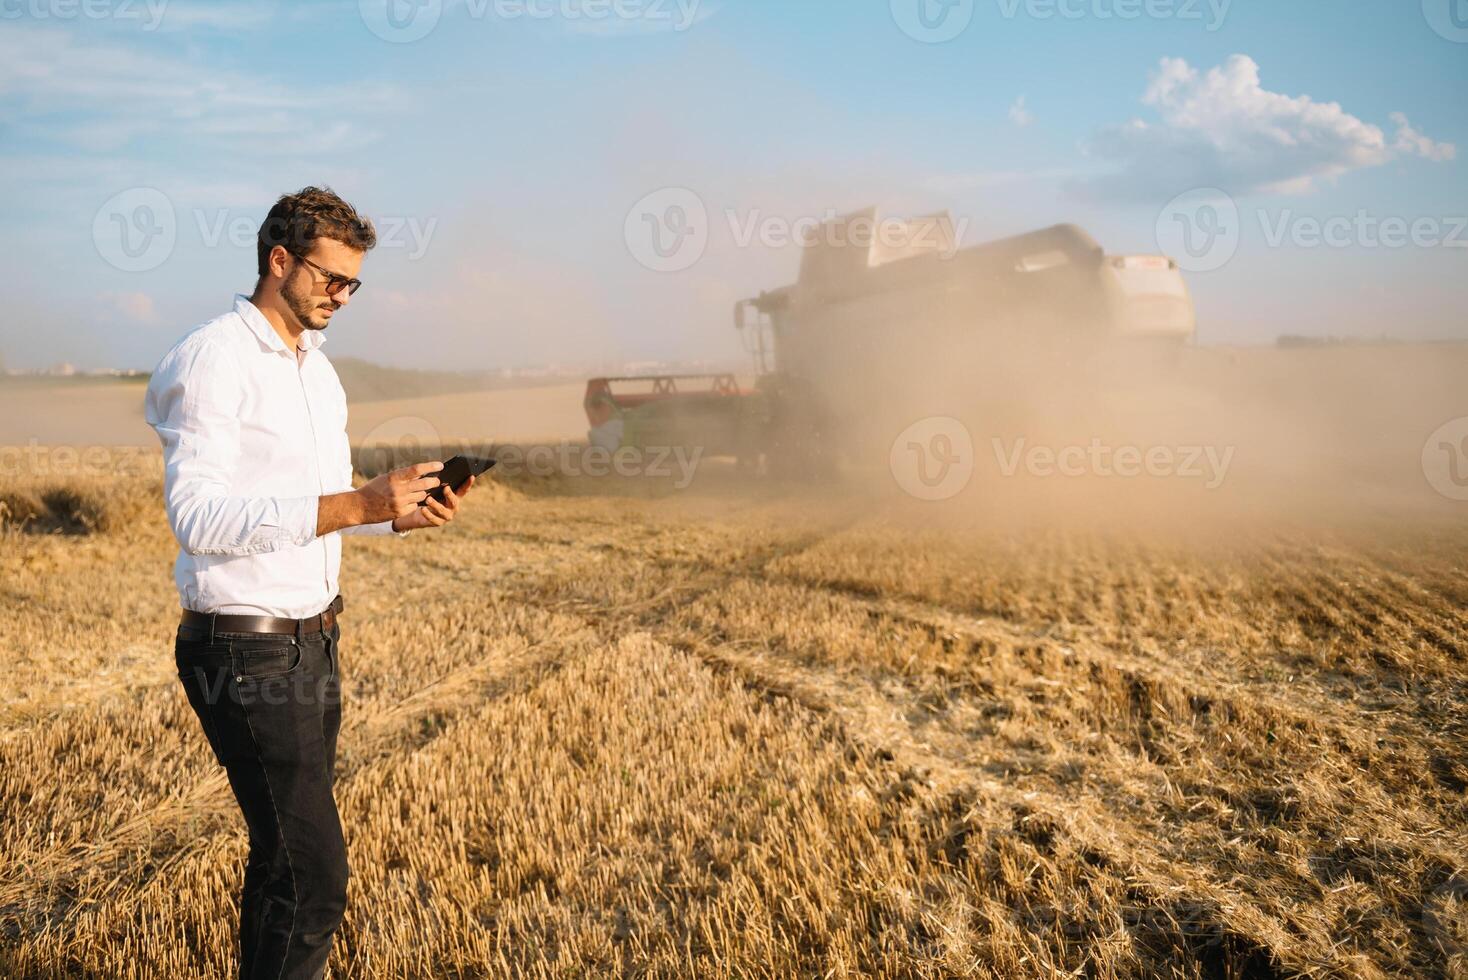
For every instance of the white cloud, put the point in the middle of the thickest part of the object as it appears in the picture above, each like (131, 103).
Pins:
(135, 306)
(1019, 114)
(1223, 128)
(1412, 143)
(102, 96)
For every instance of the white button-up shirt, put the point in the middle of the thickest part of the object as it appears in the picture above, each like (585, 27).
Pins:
(253, 436)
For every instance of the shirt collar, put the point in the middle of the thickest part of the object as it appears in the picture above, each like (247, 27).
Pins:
(265, 333)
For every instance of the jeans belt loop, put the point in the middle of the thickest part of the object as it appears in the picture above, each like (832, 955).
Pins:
(299, 624)
(212, 616)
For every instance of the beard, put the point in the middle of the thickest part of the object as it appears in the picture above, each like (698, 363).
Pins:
(303, 306)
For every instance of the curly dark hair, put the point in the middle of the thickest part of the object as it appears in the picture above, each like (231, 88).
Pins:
(298, 219)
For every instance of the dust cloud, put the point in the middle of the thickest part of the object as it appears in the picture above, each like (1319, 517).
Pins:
(965, 386)
(1137, 436)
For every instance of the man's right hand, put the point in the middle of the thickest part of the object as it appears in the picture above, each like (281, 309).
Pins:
(386, 498)
(397, 494)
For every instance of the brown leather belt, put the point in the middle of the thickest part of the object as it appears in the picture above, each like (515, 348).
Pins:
(230, 623)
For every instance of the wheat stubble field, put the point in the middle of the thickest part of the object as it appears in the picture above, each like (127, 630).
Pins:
(604, 729)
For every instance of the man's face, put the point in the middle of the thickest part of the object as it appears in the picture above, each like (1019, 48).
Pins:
(304, 288)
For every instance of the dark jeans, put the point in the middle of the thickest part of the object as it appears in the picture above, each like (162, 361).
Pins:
(270, 706)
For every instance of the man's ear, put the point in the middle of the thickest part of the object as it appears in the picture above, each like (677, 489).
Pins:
(277, 262)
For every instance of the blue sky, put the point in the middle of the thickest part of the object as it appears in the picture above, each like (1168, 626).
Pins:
(503, 150)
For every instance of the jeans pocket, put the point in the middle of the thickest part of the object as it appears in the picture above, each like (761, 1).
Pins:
(264, 658)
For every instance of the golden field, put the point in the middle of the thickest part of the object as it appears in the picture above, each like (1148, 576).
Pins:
(66, 411)
(602, 727)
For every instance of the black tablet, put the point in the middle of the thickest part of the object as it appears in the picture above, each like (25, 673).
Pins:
(456, 473)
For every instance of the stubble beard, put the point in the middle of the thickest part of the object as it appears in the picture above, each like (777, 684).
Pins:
(303, 306)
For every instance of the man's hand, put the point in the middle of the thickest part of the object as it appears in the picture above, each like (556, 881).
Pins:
(432, 513)
(392, 495)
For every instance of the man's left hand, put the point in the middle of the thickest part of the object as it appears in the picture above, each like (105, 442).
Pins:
(431, 513)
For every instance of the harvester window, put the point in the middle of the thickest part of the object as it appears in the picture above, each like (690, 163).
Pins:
(1041, 261)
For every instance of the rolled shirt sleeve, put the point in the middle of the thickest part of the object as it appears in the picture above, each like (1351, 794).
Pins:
(193, 404)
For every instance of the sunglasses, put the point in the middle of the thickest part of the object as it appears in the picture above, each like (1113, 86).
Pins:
(334, 282)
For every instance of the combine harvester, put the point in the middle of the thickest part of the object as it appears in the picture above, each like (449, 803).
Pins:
(871, 335)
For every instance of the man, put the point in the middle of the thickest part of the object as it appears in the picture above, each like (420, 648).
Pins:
(258, 490)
